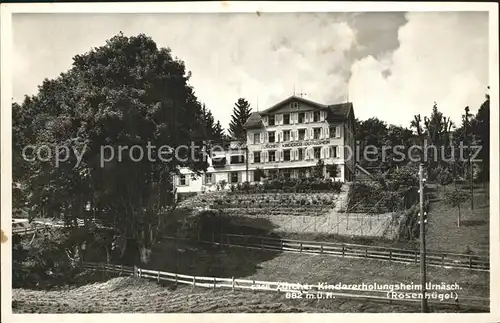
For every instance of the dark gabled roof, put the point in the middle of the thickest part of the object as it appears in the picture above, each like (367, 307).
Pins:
(293, 97)
(254, 121)
(339, 111)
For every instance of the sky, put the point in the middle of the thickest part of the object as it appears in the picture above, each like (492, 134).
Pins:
(390, 65)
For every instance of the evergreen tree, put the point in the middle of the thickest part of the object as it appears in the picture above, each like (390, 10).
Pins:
(241, 113)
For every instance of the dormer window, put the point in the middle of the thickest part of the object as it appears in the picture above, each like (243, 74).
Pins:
(295, 105)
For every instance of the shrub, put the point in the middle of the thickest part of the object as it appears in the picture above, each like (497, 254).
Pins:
(444, 177)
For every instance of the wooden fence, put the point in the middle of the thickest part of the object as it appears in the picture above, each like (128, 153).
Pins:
(433, 258)
(292, 290)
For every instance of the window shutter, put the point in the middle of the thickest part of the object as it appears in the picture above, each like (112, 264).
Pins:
(311, 133)
(327, 152)
(266, 156)
(250, 138)
(281, 119)
(261, 137)
(266, 137)
(265, 121)
(327, 133)
(322, 116)
(250, 157)
(240, 177)
(322, 152)
(338, 151)
(337, 132)
(282, 153)
(203, 179)
(322, 133)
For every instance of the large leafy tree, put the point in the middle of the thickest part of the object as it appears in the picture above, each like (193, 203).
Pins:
(125, 93)
(241, 113)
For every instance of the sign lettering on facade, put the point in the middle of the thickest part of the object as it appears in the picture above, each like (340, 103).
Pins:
(296, 144)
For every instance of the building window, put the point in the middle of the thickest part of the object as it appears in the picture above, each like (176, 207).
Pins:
(272, 136)
(234, 177)
(218, 162)
(302, 116)
(272, 156)
(317, 133)
(333, 151)
(182, 180)
(238, 159)
(316, 116)
(256, 138)
(302, 134)
(286, 118)
(208, 178)
(333, 132)
(272, 120)
(286, 155)
(256, 157)
(286, 135)
(317, 152)
(301, 153)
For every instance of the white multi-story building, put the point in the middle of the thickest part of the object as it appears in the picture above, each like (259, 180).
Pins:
(288, 139)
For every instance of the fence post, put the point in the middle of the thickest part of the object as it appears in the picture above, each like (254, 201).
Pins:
(194, 281)
(140, 272)
(301, 247)
(135, 271)
(158, 276)
(262, 244)
(215, 283)
(321, 248)
(366, 252)
(442, 260)
(175, 279)
(233, 283)
(121, 270)
(470, 261)
(390, 255)
(253, 285)
(415, 257)
(282, 245)
(343, 250)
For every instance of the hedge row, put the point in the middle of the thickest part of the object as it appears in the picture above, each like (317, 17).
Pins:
(291, 185)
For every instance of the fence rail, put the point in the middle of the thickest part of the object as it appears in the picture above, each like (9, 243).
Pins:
(44, 226)
(433, 258)
(299, 290)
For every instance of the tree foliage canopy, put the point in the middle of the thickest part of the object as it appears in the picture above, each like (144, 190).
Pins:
(125, 93)
(241, 113)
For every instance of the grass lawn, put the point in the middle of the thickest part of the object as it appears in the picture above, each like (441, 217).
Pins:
(126, 295)
(443, 232)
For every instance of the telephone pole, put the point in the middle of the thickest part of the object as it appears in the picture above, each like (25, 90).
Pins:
(422, 238)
